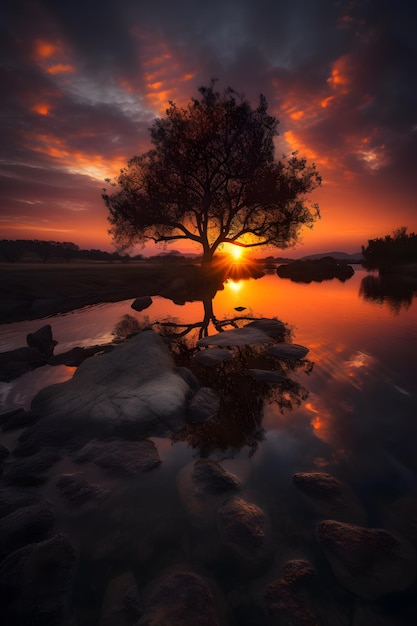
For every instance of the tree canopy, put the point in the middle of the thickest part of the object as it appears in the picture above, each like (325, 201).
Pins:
(386, 252)
(211, 177)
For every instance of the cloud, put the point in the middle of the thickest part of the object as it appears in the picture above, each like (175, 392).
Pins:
(82, 82)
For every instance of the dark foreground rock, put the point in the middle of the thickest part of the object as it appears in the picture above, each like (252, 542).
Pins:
(122, 605)
(141, 303)
(25, 525)
(181, 598)
(35, 582)
(369, 562)
(203, 406)
(42, 340)
(78, 491)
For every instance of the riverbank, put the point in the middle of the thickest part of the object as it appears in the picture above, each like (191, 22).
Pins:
(36, 290)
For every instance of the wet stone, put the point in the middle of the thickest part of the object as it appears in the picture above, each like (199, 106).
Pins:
(25, 525)
(76, 489)
(128, 457)
(212, 357)
(288, 351)
(31, 471)
(203, 406)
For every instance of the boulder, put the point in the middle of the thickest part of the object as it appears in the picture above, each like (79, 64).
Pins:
(42, 340)
(202, 486)
(329, 497)
(270, 377)
(212, 356)
(25, 525)
(239, 337)
(35, 582)
(242, 528)
(30, 471)
(78, 491)
(284, 598)
(141, 303)
(369, 562)
(288, 351)
(270, 326)
(135, 387)
(121, 605)
(181, 598)
(15, 363)
(203, 406)
(12, 499)
(127, 457)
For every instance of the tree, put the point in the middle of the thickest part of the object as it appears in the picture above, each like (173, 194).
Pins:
(211, 178)
(388, 252)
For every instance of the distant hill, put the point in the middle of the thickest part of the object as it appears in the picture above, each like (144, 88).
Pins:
(356, 257)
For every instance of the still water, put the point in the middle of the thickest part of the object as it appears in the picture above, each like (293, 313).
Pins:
(357, 420)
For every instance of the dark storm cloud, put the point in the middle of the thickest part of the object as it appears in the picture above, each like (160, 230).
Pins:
(82, 81)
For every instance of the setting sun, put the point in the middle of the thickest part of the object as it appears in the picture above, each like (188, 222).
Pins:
(236, 252)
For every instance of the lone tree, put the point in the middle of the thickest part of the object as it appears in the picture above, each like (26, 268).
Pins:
(211, 178)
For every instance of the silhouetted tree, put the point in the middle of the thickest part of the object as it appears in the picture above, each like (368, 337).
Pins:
(211, 178)
(384, 253)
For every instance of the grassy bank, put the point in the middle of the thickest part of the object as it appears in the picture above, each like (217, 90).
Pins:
(32, 290)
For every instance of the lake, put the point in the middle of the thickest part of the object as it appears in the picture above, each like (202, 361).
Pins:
(353, 415)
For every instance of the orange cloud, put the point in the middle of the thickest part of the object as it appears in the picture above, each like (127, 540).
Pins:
(52, 57)
(42, 108)
(340, 76)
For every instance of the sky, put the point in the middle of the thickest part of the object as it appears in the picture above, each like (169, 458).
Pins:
(82, 83)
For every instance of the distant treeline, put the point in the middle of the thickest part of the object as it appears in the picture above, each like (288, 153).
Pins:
(65, 251)
(385, 252)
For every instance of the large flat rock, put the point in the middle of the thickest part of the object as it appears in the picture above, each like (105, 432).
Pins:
(134, 384)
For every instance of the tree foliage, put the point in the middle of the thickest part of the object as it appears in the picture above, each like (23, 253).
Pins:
(385, 252)
(211, 178)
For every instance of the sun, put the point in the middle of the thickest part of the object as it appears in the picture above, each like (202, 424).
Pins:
(236, 252)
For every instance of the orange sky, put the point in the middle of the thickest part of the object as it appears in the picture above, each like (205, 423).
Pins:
(77, 103)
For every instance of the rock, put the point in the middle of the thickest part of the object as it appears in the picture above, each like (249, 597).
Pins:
(128, 457)
(35, 582)
(134, 389)
(270, 326)
(15, 363)
(75, 356)
(271, 377)
(18, 419)
(30, 471)
(203, 406)
(202, 486)
(242, 529)
(284, 598)
(240, 337)
(212, 356)
(121, 606)
(4, 453)
(141, 303)
(240, 308)
(180, 598)
(369, 562)
(25, 525)
(12, 499)
(78, 491)
(42, 340)
(330, 497)
(288, 351)
(317, 270)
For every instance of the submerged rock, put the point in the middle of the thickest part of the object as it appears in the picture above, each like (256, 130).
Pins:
(135, 386)
(212, 356)
(369, 562)
(181, 598)
(121, 606)
(270, 326)
(128, 457)
(330, 497)
(25, 525)
(203, 406)
(78, 491)
(239, 337)
(288, 351)
(30, 471)
(35, 582)
(243, 530)
(284, 597)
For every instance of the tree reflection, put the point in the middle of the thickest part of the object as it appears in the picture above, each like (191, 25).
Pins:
(395, 290)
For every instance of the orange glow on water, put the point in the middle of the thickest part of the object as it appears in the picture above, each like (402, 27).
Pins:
(42, 108)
